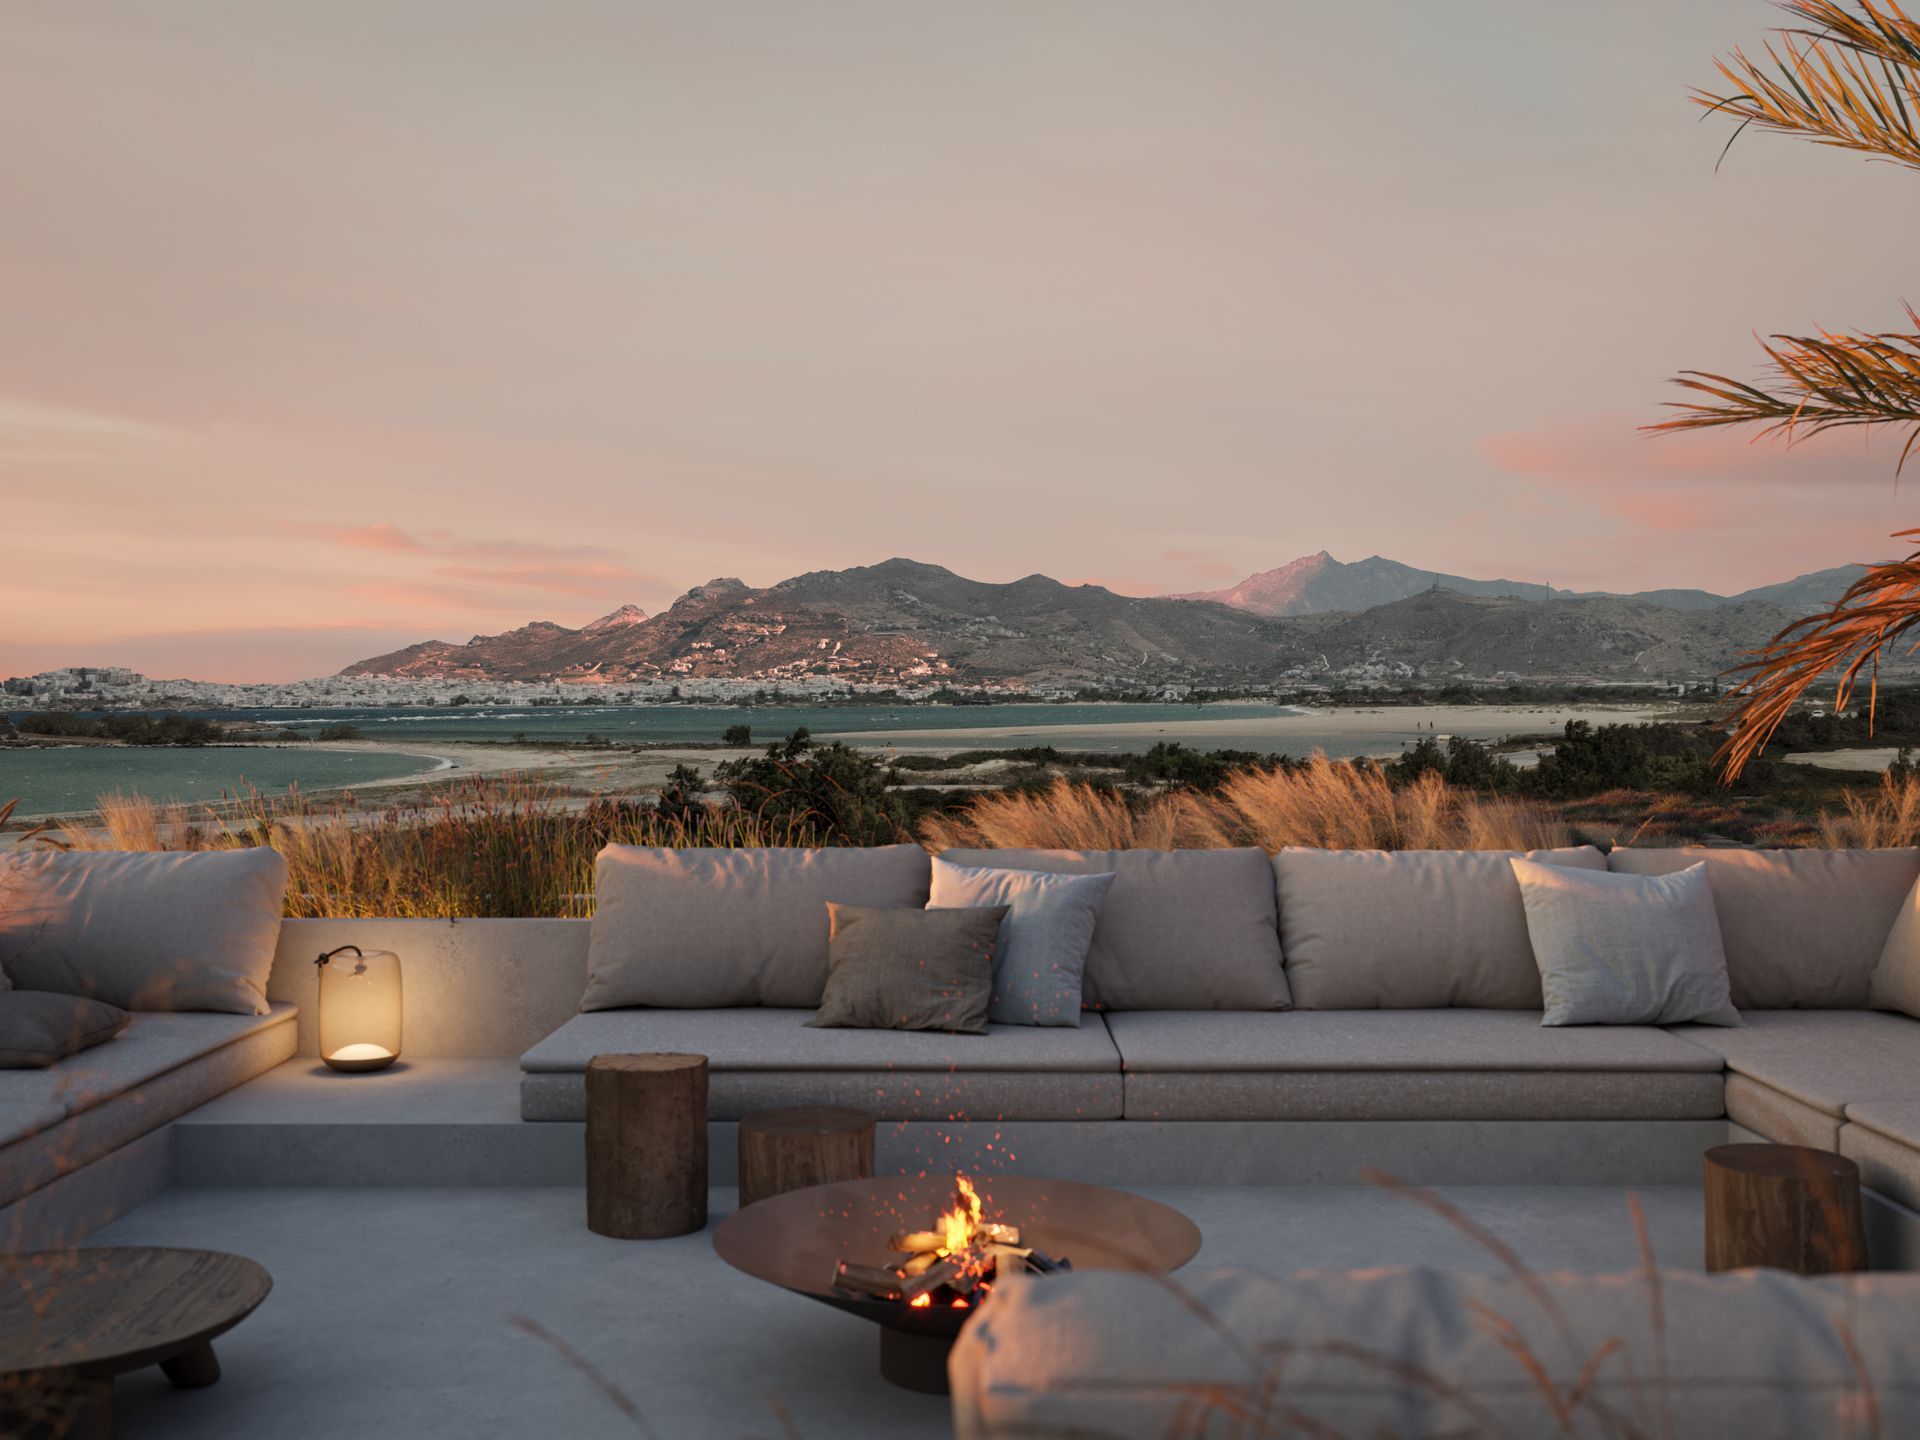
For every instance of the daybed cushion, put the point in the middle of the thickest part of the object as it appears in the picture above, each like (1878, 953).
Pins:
(1882, 1137)
(1803, 929)
(144, 930)
(1805, 1067)
(1180, 930)
(701, 928)
(1753, 1355)
(159, 1068)
(1410, 929)
(764, 1058)
(1406, 1065)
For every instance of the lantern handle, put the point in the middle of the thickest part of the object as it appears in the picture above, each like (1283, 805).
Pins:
(321, 963)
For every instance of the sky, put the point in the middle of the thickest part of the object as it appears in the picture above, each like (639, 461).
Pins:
(329, 328)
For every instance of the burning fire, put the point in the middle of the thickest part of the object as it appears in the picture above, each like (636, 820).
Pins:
(953, 1264)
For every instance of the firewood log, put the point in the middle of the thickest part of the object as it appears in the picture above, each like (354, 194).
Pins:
(917, 1240)
(867, 1282)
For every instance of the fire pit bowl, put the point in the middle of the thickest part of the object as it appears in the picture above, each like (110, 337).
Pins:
(797, 1241)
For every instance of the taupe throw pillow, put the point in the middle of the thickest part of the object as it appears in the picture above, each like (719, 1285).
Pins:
(38, 1027)
(909, 969)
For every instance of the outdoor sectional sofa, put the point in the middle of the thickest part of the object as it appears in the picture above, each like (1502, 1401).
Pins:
(1355, 993)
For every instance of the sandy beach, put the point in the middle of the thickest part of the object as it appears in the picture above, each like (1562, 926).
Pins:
(1352, 730)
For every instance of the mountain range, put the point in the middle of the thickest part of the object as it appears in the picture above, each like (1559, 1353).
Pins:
(903, 622)
(1319, 584)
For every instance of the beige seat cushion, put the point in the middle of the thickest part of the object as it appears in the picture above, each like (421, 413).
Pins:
(1407, 1065)
(161, 1067)
(1883, 1138)
(761, 1059)
(1803, 929)
(700, 928)
(1823, 1058)
(1757, 1355)
(1179, 930)
(1410, 929)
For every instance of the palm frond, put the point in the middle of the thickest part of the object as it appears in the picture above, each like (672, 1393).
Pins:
(1845, 78)
(1816, 383)
(1845, 643)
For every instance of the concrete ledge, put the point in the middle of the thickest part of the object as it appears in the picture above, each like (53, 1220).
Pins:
(69, 1209)
(455, 1123)
(472, 987)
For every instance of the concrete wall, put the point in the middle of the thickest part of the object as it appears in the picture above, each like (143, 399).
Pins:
(470, 987)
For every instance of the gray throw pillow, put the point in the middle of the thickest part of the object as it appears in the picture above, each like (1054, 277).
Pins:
(1625, 949)
(144, 930)
(1043, 942)
(909, 969)
(38, 1027)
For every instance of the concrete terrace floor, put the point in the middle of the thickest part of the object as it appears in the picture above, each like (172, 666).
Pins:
(393, 1310)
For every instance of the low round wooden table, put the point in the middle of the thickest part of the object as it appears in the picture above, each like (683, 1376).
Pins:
(71, 1320)
(782, 1150)
(1785, 1207)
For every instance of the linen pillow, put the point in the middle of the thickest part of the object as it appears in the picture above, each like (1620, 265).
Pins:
(38, 1027)
(909, 969)
(1625, 949)
(1896, 978)
(1042, 947)
(706, 929)
(1179, 930)
(1803, 928)
(144, 930)
(1410, 929)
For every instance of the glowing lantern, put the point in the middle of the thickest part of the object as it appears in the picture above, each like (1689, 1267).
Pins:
(359, 1008)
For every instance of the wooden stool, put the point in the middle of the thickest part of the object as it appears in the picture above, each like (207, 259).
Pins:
(646, 1145)
(1785, 1207)
(782, 1150)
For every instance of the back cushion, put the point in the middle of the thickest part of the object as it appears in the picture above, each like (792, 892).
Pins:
(1803, 929)
(144, 930)
(701, 929)
(1410, 929)
(1179, 930)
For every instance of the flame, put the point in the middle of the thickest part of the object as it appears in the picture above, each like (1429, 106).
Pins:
(920, 1302)
(962, 1223)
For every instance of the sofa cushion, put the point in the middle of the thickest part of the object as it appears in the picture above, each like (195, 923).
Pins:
(1040, 956)
(160, 1068)
(761, 1058)
(1777, 1116)
(1895, 982)
(1406, 1065)
(144, 930)
(1756, 1354)
(1803, 929)
(907, 969)
(1883, 1139)
(1179, 930)
(38, 1027)
(696, 929)
(1625, 949)
(1824, 1059)
(1410, 929)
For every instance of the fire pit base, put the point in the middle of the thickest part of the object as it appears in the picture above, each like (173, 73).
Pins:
(800, 1239)
(915, 1362)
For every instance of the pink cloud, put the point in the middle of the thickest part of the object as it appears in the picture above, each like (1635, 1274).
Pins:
(374, 537)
